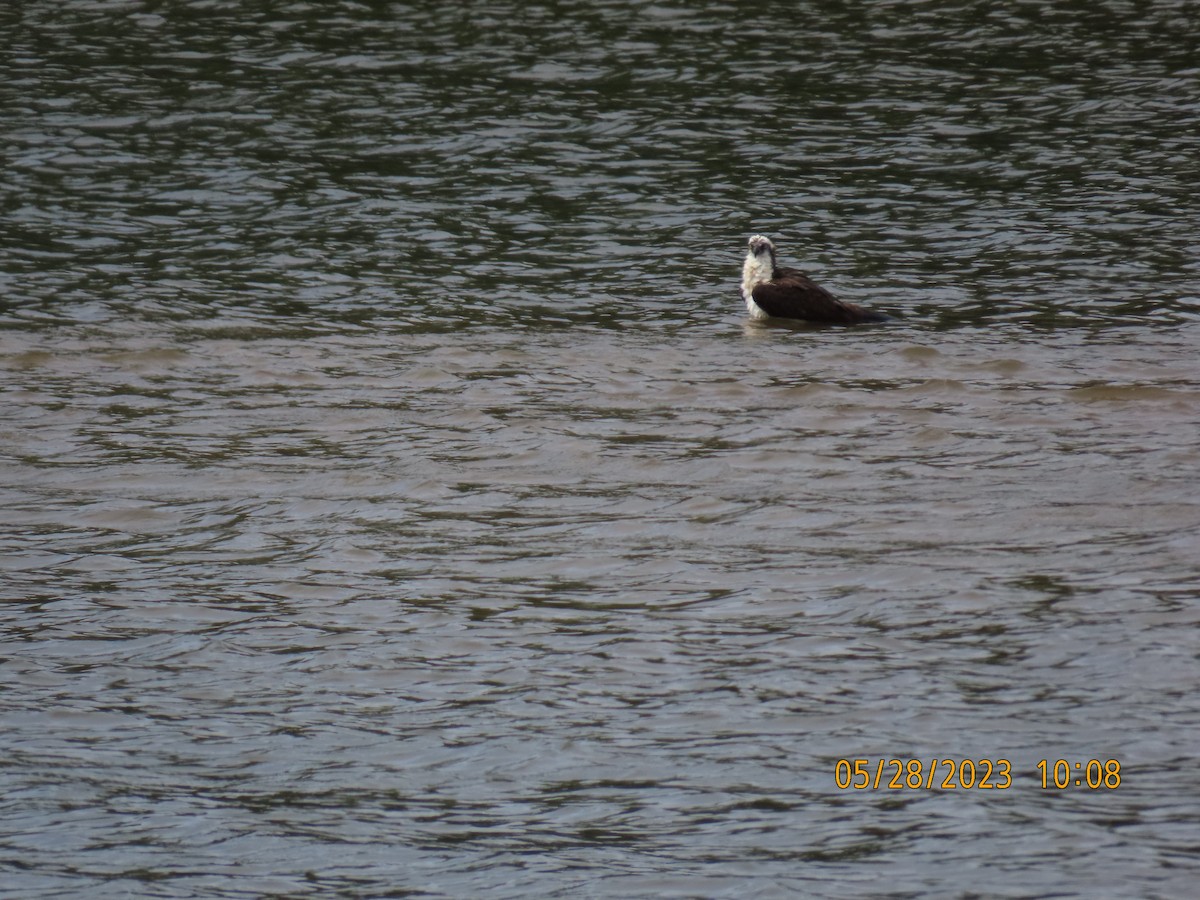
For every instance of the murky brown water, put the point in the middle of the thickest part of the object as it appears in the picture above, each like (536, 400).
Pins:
(397, 501)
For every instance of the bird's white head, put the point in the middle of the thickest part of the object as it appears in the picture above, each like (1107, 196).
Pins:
(760, 244)
(760, 261)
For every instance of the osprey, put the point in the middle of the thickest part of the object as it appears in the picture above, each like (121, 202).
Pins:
(772, 292)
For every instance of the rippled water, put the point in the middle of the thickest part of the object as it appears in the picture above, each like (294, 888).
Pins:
(397, 500)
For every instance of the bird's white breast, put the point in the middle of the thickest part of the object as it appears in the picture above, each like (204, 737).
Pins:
(755, 271)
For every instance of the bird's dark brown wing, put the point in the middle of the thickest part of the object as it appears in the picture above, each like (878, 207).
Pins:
(793, 295)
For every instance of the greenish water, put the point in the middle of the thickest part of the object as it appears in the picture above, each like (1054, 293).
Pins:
(397, 500)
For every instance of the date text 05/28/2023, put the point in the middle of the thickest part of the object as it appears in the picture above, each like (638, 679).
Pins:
(971, 774)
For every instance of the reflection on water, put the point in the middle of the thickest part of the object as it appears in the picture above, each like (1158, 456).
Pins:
(1011, 165)
(397, 499)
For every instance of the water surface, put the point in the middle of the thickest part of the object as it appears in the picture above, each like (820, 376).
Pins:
(398, 501)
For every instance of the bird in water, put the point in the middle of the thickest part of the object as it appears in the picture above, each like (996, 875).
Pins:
(772, 292)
